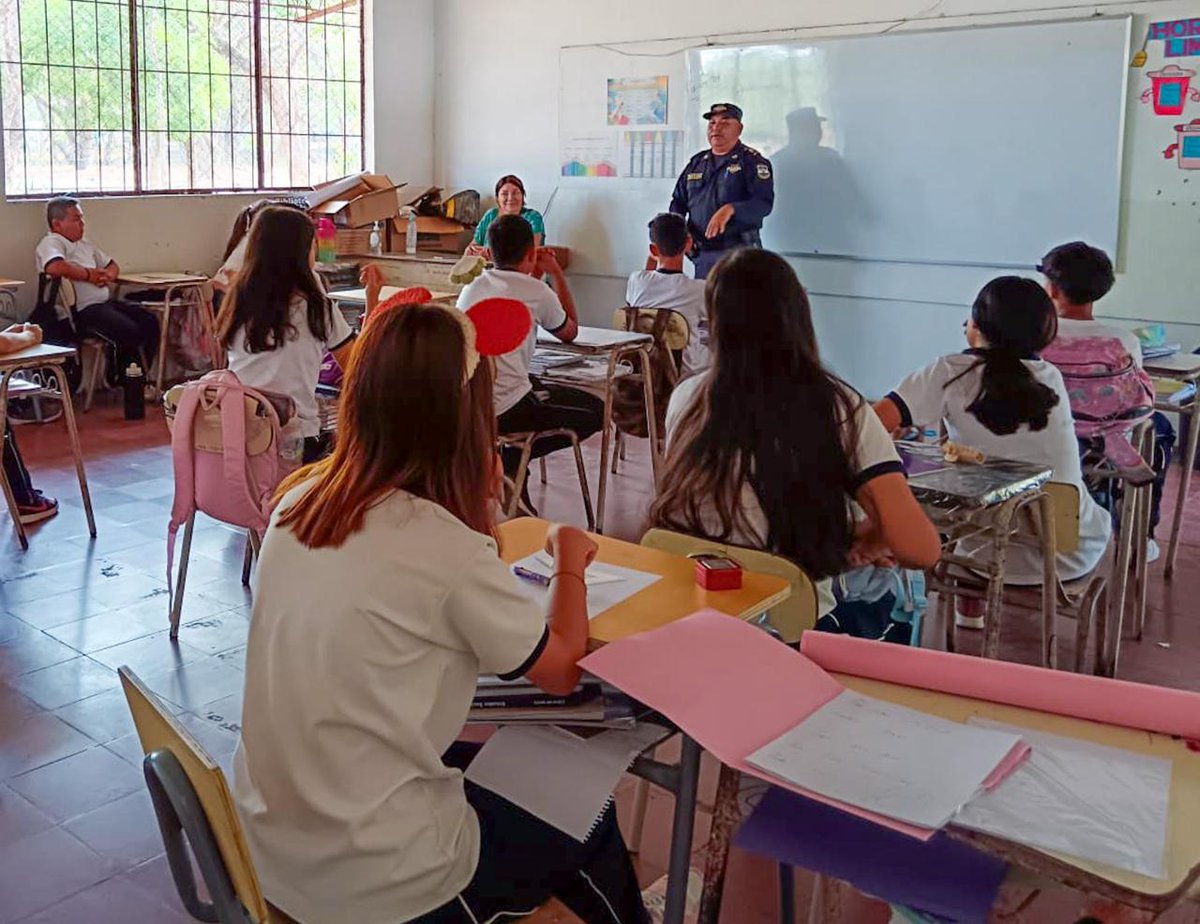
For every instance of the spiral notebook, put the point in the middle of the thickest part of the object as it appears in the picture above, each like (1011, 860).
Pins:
(563, 779)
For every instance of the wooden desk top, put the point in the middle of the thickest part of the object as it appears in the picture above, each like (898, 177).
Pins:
(161, 279)
(40, 355)
(1183, 830)
(595, 340)
(674, 596)
(359, 296)
(6, 283)
(1178, 366)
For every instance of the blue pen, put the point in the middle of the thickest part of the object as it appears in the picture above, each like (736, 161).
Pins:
(532, 576)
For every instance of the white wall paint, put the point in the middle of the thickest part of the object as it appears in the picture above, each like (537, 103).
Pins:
(189, 232)
(497, 112)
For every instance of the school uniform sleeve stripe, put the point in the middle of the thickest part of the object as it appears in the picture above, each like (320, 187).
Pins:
(906, 419)
(868, 474)
(528, 663)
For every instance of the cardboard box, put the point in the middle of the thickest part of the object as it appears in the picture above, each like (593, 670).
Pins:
(439, 235)
(359, 201)
(358, 240)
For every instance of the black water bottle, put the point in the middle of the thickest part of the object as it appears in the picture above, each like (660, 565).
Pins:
(135, 392)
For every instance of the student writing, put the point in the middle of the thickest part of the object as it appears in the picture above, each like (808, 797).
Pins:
(381, 597)
(277, 323)
(767, 449)
(1000, 397)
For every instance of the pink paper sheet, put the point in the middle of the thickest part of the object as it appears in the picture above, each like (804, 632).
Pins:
(728, 685)
(1098, 699)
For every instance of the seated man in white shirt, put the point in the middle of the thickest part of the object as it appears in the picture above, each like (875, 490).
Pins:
(662, 284)
(130, 331)
(524, 404)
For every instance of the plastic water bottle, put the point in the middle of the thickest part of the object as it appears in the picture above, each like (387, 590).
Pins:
(376, 240)
(410, 236)
(135, 392)
(326, 240)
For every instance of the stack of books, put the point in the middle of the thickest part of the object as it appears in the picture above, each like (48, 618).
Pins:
(1173, 391)
(592, 703)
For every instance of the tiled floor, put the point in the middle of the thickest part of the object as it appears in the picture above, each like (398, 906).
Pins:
(78, 840)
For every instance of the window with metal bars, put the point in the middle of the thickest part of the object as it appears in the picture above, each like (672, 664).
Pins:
(154, 96)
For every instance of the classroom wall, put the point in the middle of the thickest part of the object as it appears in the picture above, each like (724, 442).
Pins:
(497, 112)
(189, 232)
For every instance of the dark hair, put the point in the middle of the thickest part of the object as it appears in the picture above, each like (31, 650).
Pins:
(276, 271)
(245, 218)
(769, 416)
(509, 178)
(1017, 319)
(1084, 273)
(668, 232)
(510, 238)
(407, 421)
(57, 208)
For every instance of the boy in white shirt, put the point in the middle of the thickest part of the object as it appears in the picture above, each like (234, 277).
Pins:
(662, 284)
(130, 331)
(520, 406)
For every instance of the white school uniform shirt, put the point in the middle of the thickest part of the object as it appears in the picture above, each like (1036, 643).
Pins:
(927, 399)
(512, 369)
(224, 277)
(1075, 329)
(82, 253)
(871, 450)
(293, 368)
(361, 665)
(672, 289)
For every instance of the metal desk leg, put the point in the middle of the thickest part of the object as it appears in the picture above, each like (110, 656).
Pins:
(1045, 511)
(994, 608)
(679, 859)
(60, 383)
(651, 412)
(9, 498)
(1140, 577)
(1185, 482)
(605, 443)
(726, 815)
(1116, 607)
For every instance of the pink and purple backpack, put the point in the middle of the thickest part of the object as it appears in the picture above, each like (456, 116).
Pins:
(1109, 392)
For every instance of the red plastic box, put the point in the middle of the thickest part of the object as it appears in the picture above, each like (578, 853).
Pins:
(716, 573)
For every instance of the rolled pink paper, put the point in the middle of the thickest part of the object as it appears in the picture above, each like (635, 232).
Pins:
(1081, 696)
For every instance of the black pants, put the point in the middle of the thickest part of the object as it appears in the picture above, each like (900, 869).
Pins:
(15, 471)
(523, 862)
(550, 407)
(130, 331)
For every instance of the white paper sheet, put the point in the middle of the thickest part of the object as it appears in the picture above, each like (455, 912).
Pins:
(607, 584)
(561, 778)
(889, 759)
(1094, 802)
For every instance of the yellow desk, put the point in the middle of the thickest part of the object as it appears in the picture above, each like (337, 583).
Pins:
(674, 596)
(1183, 832)
(1184, 367)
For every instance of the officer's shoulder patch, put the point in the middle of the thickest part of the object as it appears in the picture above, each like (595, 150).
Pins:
(751, 151)
(764, 171)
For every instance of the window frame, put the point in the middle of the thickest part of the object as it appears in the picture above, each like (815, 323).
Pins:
(259, 79)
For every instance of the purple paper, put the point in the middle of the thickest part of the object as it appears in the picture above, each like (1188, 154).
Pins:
(941, 876)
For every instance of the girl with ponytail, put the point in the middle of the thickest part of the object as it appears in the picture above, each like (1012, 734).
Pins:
(1002, 398)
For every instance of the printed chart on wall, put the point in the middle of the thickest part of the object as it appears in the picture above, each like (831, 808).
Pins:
(1172, 90)
(637, 100)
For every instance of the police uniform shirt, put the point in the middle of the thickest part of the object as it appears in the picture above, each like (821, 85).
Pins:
(742, 178)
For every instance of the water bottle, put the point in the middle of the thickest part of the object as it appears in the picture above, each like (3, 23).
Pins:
(135, 392)
(376, 240)
(326, 240)
(410, 236)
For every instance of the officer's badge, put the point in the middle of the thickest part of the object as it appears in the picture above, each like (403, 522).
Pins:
(734, 168)
(764, 171)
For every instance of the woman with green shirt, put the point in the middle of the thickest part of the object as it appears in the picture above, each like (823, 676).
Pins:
(510, 200)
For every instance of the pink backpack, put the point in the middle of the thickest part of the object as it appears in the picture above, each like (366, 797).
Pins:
(225, 445)
(1109, 392)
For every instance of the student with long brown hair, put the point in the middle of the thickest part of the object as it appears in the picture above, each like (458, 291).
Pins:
(381, 597)
(767, 449)
(277, 323)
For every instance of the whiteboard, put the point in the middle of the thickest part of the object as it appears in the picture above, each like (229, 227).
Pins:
(981, 146)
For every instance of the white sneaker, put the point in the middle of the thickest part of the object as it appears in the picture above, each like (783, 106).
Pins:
(967, 622)
(1152, 551)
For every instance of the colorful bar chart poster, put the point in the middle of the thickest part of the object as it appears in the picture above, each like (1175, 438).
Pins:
(637, 100)
(653, 154)
(589, 155)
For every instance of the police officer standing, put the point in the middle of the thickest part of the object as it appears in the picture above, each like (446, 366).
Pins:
(724, 192)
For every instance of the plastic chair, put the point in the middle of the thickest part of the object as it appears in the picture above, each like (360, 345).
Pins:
(192, 799)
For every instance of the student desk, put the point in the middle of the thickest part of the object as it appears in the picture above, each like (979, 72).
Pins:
(616, 345)
(1186, 368)
(420, 269)
(674, 596)
(49, 359)
(354, 301)
(190, 290)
